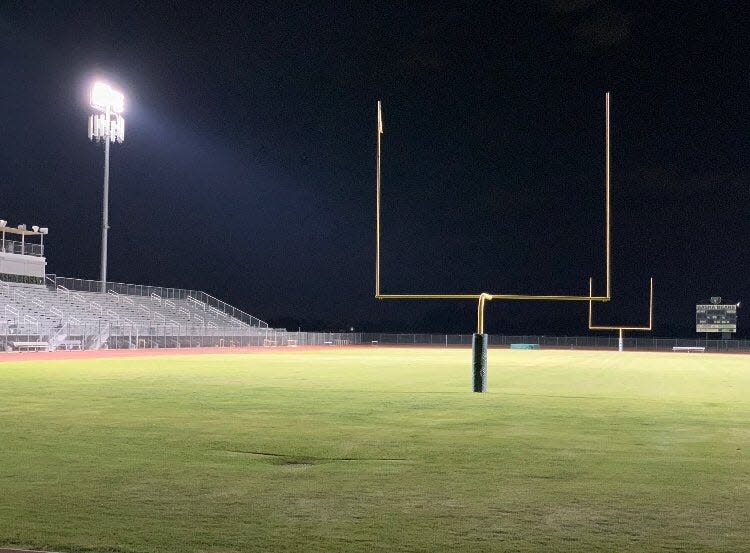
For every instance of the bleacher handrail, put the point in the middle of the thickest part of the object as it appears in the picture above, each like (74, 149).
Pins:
(197, 303)
(113, 315)
(246, 318)
(218, 312)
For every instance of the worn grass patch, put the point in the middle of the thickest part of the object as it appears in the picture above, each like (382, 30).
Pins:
(377, 449)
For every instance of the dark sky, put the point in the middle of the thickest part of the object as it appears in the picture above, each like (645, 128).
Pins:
(248, 166)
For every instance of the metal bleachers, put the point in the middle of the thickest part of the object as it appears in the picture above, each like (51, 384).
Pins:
(53, 312)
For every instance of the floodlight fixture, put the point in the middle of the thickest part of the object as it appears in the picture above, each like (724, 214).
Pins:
(106, 126)
(35, 228)
(42, 232)
(3, 223)
(21, 227)
(104, 98)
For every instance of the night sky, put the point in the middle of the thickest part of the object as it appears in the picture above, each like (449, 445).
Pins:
(248, 169)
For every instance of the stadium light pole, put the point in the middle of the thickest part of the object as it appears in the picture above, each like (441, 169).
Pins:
(109, 126)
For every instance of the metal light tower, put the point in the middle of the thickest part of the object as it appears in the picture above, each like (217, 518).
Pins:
(109, 126)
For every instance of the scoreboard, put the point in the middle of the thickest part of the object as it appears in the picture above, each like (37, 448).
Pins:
(715, 318)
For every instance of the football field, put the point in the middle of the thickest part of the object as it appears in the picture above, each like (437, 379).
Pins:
(376, 449)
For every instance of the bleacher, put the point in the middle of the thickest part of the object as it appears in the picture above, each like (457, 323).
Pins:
(52, 313)
(38, 304)
(39, 311)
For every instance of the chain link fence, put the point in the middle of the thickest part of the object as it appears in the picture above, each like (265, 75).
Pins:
(103, 335)
(557, 342)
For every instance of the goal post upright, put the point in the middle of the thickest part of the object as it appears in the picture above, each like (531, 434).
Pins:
(480, 339)
(622, 328)
(377, 202)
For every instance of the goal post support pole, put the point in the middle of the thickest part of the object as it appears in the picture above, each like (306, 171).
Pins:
(479, 362)
(479, 348)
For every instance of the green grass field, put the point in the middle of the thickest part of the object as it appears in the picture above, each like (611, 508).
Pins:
(377, 449)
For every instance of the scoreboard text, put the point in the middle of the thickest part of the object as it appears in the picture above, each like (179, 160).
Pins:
(715, 318)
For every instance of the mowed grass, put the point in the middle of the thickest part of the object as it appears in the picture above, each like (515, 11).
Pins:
(376, 449)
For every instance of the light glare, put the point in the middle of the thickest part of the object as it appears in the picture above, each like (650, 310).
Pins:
(102, 95)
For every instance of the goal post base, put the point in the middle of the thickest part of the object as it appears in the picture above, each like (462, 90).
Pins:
(479, 362)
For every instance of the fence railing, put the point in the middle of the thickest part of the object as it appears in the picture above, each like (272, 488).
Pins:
(566, 342)
(23, 248)
(126, 334)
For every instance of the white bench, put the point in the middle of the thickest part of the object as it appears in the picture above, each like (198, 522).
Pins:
(71, 344)
(29, 346)
(689, 349)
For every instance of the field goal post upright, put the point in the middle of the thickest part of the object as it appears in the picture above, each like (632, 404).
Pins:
(480, 339)
(621, 328)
